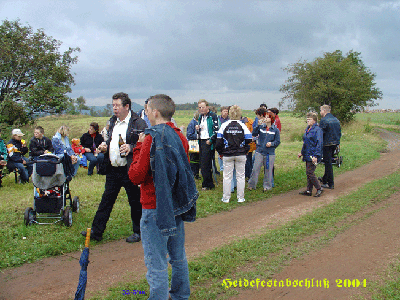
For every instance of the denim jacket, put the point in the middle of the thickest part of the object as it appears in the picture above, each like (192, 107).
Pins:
(61, 144)
(264, 136)
(312, 143)
(176, 192)
(330, 126)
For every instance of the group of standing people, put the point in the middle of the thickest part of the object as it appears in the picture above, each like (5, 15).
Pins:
(229, 134)
(236, 138)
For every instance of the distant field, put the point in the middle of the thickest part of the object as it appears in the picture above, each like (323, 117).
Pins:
(389, 118)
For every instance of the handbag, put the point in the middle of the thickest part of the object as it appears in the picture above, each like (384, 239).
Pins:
(194, 146)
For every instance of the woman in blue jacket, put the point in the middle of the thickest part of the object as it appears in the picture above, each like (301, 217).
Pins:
(268, 139)
(312, 153)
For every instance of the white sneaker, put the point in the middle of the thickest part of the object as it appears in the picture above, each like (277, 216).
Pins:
(225, 200)
(241, 200)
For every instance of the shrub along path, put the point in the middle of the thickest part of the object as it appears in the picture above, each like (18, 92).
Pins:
(57, 277)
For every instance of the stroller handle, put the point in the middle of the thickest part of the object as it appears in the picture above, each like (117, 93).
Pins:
(46, 161)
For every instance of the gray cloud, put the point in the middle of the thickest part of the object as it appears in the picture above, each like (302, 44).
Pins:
(212, 49)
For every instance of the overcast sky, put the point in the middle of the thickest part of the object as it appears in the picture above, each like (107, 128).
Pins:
(229, 52)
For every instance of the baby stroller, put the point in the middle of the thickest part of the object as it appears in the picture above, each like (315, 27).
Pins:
(336, 159)
(52, 198)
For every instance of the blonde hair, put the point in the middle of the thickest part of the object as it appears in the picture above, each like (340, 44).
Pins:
(326, 108)
(235, 112)
(63, 130)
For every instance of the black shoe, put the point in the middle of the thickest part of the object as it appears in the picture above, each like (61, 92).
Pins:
(319, 193)
(92, 236)
(206, 188)
(326, 186)
(133, 238)
(305, 193)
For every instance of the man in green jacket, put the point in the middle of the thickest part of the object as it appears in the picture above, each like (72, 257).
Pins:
(207, 129)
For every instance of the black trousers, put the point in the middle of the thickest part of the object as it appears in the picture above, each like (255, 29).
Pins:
(249, 164)
(117, 178)
(206, 155)
(195, 163)
(328, 154)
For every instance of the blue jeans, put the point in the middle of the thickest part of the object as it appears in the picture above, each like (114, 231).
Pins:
(76, 166)
(24, 172)
(93, 161)
(221, 164)
(156, 247)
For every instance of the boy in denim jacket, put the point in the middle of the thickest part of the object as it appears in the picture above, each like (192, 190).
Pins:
(168, 196)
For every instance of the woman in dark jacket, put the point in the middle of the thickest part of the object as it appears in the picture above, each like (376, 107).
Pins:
(91, 140)
(312, 153)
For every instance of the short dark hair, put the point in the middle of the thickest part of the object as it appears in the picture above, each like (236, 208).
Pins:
(95, 126)
(203, 101)
(224, 108)
(274, 110)
(164, 104)
(40, 128)
(264, 105)
(261, 111)
(124, 99)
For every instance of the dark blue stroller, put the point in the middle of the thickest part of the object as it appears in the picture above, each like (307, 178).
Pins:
(52, 198)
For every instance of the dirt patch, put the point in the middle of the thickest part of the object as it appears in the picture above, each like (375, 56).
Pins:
(57, 277)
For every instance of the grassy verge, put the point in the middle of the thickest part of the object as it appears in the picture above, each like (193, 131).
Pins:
(264, 255)
(387, 286)
(358, 148)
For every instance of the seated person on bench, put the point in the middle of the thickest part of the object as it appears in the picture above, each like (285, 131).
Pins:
(3, 156)
(16, 149)
(39, 144)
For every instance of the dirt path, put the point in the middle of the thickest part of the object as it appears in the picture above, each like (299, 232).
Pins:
(56, 277)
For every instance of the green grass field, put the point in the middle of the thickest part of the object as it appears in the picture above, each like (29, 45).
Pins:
(389, 121)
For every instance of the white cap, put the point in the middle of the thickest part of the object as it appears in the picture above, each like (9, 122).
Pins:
(17, 132)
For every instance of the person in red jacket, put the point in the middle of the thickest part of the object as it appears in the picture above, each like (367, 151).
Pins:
(156, 240)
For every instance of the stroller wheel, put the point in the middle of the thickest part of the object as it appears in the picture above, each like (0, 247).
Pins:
(75, 204)
(340, 161)
(29, 216)
(67, 216)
